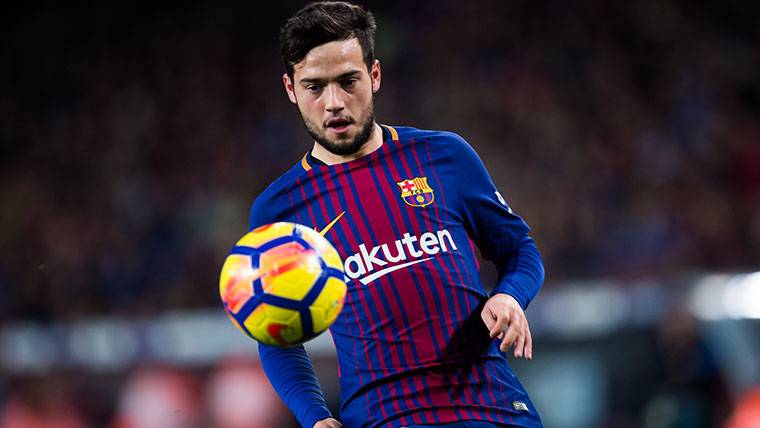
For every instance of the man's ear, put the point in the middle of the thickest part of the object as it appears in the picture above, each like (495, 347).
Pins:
(375, 76)
(289, 88)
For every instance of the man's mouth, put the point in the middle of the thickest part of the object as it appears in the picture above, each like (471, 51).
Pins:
(338, 125)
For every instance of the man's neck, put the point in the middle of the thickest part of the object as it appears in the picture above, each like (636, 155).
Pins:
(373, 143)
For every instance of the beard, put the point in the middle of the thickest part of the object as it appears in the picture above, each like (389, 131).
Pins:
(342, 148)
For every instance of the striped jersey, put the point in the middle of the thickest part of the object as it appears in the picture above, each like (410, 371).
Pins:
(411, 346)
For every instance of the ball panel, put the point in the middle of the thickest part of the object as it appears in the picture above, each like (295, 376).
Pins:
(289, 271)
(328, 304)
(236, 281)
(294, 284)
(332, 259)
(273, 325)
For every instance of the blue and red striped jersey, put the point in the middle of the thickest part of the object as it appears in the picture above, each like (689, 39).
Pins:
(412, 348)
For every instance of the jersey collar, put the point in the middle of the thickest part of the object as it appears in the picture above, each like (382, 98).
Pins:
(309, 161)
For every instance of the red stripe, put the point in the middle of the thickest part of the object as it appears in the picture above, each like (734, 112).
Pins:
(409, 297)
(364, 236)
(459, 272)
(436, 279)
(332, 192)
(305, 201)
(351, 210)
(292, 207)
(474, 254)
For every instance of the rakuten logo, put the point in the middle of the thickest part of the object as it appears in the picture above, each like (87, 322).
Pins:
(388, 256)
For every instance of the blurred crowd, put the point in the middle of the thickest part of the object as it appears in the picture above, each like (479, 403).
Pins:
(135, 136)
(235, 394)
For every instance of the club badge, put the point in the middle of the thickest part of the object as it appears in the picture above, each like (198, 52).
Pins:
(415, 192)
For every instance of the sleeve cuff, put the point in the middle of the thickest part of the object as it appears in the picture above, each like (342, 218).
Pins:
(508, 286)
(313, 415)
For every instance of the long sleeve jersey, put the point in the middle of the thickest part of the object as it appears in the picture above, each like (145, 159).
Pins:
(411, 345)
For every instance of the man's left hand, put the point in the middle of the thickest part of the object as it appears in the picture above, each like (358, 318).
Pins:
(505, 319)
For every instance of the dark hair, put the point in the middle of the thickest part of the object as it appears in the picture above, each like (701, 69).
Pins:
(323, 22)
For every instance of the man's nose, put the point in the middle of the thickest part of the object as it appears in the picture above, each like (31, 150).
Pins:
(334, 101)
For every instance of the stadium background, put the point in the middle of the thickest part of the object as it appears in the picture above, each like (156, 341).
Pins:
(135, 135)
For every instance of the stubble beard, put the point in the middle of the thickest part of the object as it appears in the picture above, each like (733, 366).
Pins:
(342, 148)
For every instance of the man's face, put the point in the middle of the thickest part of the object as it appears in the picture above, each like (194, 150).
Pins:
(333, 91)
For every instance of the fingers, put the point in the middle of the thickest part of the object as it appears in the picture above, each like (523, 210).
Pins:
(529, 345)
(520, 345)
(499, 326)
(518, 335)
(496, 325)
(512, 334)
(488, 318)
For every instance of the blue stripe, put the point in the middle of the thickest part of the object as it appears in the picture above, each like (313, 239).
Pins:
(384, 389)
(405, 213)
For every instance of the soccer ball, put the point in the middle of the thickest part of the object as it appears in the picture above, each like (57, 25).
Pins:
(283, 284)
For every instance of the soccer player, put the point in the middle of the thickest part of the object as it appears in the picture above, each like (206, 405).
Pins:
(419, 341)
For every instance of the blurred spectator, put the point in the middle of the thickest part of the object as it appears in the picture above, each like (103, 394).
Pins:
(51, 410)
(160, 398)
(747, 411)
(691, 391)
(240, 396)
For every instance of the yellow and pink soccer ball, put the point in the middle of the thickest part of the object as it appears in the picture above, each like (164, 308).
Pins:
(283, 284)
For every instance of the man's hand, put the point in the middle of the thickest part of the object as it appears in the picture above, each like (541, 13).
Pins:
(328, 423)
(506, 320)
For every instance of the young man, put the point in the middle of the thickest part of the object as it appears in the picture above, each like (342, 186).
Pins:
(419, 341)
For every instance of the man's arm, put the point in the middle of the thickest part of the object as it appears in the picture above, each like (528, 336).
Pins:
(502, 237)
(291, 374)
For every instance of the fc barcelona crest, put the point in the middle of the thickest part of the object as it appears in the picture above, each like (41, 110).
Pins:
(415, 192)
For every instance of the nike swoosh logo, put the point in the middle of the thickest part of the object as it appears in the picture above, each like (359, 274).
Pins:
(369, 278)
(332, 223)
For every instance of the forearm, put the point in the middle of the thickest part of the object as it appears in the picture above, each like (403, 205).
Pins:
(521, 272)
(291, 374)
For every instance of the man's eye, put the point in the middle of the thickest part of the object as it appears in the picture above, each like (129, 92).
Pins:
(314, 88)
(348, 83)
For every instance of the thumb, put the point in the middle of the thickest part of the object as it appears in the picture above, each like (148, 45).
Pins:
(488, 317)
